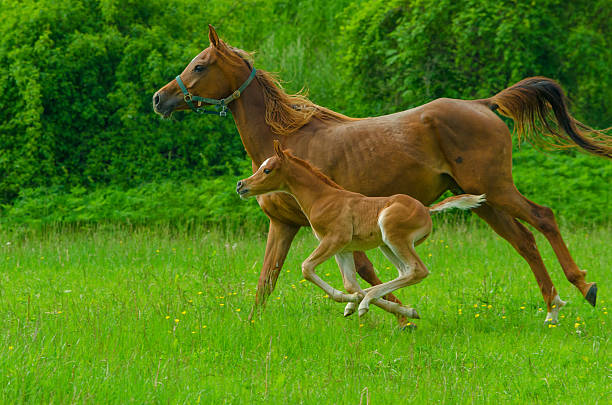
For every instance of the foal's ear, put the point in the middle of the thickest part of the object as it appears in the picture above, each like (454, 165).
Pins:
(278, 149)
(212, 35)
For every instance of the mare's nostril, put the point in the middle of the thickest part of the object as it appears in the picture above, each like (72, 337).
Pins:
(238, 185)
(156, 99)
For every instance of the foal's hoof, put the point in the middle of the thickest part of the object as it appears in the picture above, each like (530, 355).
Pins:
(349, 309)
(410, 326)
(363, 311)
(591, 295)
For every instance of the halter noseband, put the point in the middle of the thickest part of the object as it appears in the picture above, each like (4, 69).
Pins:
(189, 98)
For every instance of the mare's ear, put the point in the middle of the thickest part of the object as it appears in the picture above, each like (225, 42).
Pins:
(278, 149)
(212, 35)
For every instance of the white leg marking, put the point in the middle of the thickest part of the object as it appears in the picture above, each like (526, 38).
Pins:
(346, 263)
(350, 308)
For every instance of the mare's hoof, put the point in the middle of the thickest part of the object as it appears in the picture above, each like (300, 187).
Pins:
(591, 295)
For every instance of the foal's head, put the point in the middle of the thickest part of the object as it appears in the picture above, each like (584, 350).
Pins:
(270, 176)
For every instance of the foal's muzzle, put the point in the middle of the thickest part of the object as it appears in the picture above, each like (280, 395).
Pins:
(241, 188)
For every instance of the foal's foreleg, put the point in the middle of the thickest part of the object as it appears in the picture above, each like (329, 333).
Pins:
(346, 263)
(325, 250)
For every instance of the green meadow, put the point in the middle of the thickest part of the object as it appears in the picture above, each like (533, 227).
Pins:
(159, 314)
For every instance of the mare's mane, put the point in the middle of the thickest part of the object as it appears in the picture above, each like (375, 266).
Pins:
(317, 172)
(285, 113)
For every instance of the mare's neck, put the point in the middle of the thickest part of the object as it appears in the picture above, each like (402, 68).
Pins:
(307, 187)
(249, 113)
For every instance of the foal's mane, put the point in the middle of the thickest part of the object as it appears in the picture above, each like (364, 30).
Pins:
(317, 172)
(285, 113)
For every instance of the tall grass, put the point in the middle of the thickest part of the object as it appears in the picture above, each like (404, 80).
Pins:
(159, 314)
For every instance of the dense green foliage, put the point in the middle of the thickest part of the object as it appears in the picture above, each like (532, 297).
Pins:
(149, 315)
(77, 76)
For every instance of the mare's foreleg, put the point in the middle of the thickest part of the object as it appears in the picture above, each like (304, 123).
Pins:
(280, 236)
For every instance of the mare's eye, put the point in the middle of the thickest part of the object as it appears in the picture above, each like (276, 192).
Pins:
(199, 68)
(266, 171)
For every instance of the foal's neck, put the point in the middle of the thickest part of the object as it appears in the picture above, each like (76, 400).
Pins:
(307, 187)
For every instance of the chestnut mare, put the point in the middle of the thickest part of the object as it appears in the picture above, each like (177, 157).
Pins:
(344, 222)
(447, 144)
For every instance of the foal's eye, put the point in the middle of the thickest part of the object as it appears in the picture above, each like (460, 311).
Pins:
(199, 68)
(266, 171)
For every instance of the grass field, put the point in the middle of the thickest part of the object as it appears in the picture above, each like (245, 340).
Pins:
(157, 315)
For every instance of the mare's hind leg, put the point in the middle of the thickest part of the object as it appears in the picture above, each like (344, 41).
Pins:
(543, 219)
(523, 241)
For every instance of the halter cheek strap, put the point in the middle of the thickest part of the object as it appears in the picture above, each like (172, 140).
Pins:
(222, 103)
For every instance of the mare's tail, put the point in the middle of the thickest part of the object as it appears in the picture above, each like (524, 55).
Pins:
(538, 107)
(463, 202)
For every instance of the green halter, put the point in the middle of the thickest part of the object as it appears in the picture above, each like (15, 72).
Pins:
(189, 98)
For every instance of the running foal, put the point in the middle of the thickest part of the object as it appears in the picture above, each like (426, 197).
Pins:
(344, 222)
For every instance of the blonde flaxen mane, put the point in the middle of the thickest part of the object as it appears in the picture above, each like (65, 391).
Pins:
(286, 113)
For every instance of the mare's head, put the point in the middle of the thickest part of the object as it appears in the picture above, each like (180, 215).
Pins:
(214, 73)
(270, 177)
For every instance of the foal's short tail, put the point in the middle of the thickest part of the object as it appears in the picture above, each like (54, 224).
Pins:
(463, 202)
(538, 107)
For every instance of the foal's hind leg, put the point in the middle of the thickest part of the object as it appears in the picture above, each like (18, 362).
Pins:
(347, 267)
(366, 270)
(410, 268)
